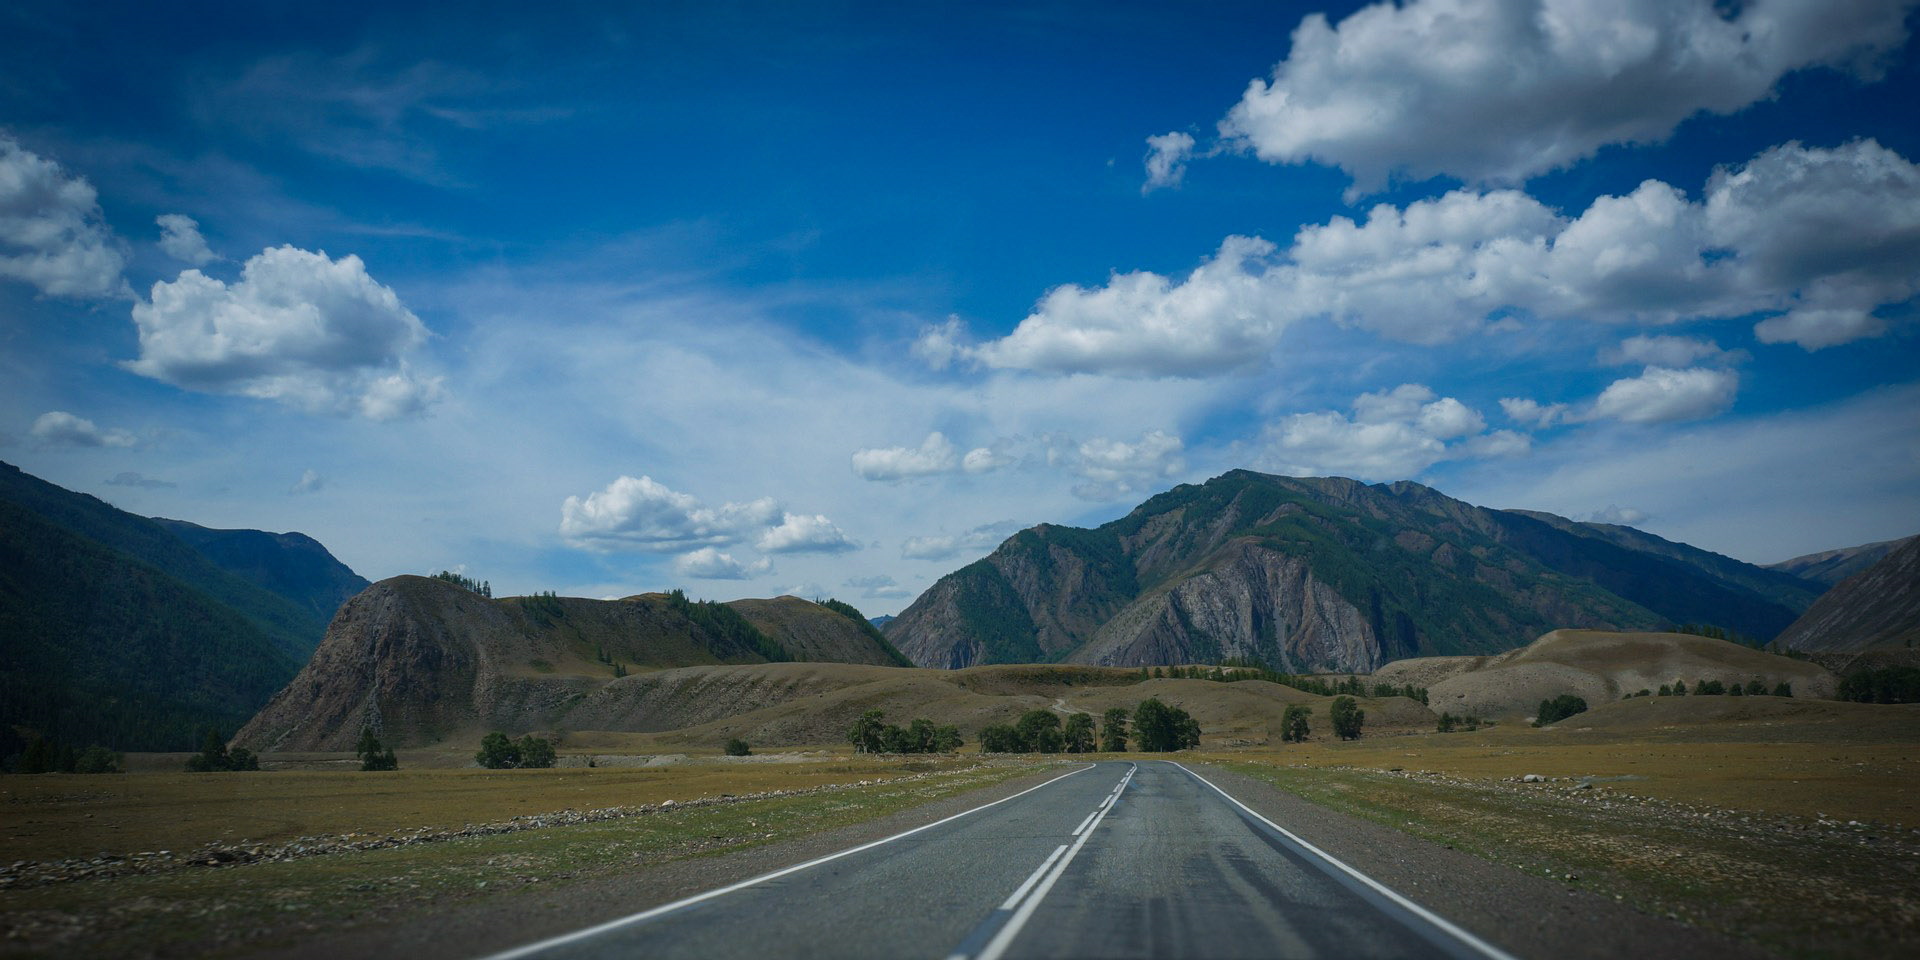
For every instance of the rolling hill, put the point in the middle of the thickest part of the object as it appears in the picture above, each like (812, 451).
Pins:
(1323, 575)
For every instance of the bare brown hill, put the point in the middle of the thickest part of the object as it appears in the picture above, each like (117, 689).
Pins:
(421, 661)
(1596, 666)
(1877, 607)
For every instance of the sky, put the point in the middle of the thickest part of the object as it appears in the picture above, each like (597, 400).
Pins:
(830, 298)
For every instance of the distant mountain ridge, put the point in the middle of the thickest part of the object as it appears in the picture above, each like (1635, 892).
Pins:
(1877, 607)
(1323, 574)
(422, 660)
(1829, 567)
(293, 565)
(114, 629)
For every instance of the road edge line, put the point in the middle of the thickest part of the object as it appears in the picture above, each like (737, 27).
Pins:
(665, 908)
(1452, 929)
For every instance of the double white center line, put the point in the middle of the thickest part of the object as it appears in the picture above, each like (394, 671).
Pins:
(1027, 896)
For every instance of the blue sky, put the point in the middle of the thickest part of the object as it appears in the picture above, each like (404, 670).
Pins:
(830, 298)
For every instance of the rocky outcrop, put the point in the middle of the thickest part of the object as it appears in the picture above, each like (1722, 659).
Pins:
(1322, 574)
(1877, 607)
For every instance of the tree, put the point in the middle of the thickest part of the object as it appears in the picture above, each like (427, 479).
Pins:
(1446, 723)
(1153, 726)
(1666, 690)
(920, 736)
(1709, 688)
(737, 747)
(1679, 688)
(497, 752)
(1756, 688)
(999, 738)
(213, 756)
(893, 739)
(98, 759)
(1079, 734)
(1559, 708)
(1347, 718)
(946, 739)
(1293, 724)
(1186, 730)
(1784, 689)
(865, 734)
(1113, 729)
(536, 752)
(1039, 731)
(372, 755)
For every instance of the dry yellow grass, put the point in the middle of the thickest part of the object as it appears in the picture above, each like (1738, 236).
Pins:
(53, 816)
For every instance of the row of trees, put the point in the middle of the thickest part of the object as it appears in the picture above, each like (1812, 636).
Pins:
(1715, 688)
(500, 752)
(1720, 633)
(1559, 708)
(1345, 714)
(1352, 686)
(1449, 723)
(1152, 727)
(872, 734)
(46, 755)
(480, 587)
(215, 758)
(1884, 685)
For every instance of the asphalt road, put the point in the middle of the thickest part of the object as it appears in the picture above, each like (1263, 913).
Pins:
(1112, 860)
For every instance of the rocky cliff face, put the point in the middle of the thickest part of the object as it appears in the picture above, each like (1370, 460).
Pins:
(1322, 574)
(1877, 607)
(422, 661)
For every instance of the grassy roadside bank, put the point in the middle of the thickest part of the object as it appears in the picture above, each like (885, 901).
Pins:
(1798, 886)
(201, 911)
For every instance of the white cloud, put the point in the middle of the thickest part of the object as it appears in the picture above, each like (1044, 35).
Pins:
(1392, 435)
(1665, 395)
(878, 587)
(1662, 351)
(1167, 160)
(52, 234)
(297, 327)
(800, 533)
(708, 563)
(1115, 469)
(1223, 315)
(1614, 514)
(63, 429)
(1496, 91)
(128, 478)
(1532, 413)
(1823, 236)
(180, 239)
(945, 546)
(935, 455)
(985, 459)
(310, 482)
(645, 515)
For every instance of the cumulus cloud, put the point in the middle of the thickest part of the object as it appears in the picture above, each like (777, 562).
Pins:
(298, 327)
(1818, 238)
(801, 533)
(878, 587)
(935, 455)
(52, 234)
(646, 515)
(1496, 91)
(310, 482)
(1114, 469)
(1167, 160)
(1665, 395)
(1619, 516)
(180, 239)
(708, 563)
(128, 478)
(945, 546)
(1391, 435)
(62, 429)
(1532, 412)
(1661, 351)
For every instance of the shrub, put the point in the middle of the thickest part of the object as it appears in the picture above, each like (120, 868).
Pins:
(214, 758)
(1558, 709)
(97, 759)
(536, 752)
(1755, 688)
(1347, 718)
(737, 747)
(1784, 689)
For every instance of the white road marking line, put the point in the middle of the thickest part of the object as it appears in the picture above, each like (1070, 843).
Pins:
(998, 945)
(646, 915)
(1481, 946)
(1032, 879)
(1089, 819)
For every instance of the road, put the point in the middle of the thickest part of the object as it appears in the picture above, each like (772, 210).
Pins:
(1111, 860)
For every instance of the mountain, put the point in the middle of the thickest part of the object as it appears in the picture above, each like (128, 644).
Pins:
(1323, 574)
(293, 565)
(880, 622)
(1829, 567)
(422, 660)
(115, 630)
(1877, 607)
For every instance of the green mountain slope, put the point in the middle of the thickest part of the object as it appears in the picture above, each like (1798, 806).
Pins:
(292, 565)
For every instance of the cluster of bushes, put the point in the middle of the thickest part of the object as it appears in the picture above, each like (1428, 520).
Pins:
(214, 757)
(1715, 688)
(480, 587)
(1153, 727)
(871, 734)
(1720, 633)
(737, 747)
(44, 755)
(1559, 708)
(1450, 723)
(1884, 685)
(372, 755)
(499, 752)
